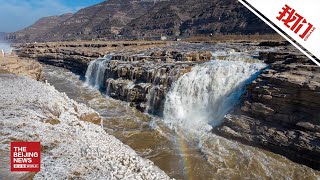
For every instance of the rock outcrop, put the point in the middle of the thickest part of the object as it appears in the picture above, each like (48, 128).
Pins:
(21, 66)
(280, 110)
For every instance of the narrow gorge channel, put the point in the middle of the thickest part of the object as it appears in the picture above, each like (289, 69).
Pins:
(179, 142)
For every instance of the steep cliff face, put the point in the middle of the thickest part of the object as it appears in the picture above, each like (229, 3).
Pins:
(144, 81)
(144, 88)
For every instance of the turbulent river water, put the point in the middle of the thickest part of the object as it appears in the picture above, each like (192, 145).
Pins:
(180, 143)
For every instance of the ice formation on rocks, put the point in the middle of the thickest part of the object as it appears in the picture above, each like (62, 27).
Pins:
(71, 147)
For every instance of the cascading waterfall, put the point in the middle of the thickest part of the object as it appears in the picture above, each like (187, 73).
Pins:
(201, 98)
(95, 73)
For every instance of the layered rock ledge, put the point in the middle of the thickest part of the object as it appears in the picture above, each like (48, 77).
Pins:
(71, 147)
(280, 110)
(75, 56)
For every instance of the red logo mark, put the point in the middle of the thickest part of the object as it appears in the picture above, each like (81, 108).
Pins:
(296, 22)
(25, 156)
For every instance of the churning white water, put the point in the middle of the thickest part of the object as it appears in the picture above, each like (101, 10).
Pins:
(95, 73)
(201, 98)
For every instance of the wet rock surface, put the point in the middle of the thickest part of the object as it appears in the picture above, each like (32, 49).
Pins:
(280, 110)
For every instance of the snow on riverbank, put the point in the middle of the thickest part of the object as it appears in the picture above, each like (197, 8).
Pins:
(71, 147)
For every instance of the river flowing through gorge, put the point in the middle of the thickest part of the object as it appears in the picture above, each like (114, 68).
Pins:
(180, 142)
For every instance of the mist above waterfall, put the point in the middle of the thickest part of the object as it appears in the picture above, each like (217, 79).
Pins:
(201, 98)
(5, 47)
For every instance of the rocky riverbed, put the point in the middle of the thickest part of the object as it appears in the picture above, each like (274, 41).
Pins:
(278, 111)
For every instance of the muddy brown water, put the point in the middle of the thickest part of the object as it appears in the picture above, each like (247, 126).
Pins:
(179, 154)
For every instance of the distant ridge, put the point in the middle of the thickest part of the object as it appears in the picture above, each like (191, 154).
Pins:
(39, 28)
(145, 19)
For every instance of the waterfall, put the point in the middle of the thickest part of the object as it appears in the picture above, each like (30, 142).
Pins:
(95, 75)
(201, 98)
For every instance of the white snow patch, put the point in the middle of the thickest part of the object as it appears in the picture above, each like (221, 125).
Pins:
(71, 148)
